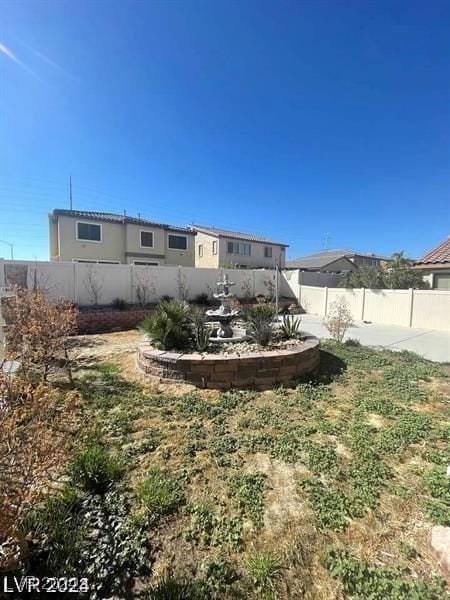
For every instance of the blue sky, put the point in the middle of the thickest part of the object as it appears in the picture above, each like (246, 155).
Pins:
(288, 119)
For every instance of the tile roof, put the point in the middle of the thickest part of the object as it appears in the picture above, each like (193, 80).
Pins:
(440, 254)
(114, 218)
(350, 253)
(316, 261)
(238, 235)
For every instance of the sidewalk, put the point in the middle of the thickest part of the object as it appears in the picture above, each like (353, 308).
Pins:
(431, 344)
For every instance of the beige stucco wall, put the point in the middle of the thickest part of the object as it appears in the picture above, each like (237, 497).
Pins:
(341, 264)
(119, 243)
(256, 259)
(208, 259)
(112, 246)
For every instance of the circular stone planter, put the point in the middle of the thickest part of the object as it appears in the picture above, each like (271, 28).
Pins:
(256, 370)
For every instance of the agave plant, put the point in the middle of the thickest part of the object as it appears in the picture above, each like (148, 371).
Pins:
(201, 332)
(290, 327)
(260, 323)
(170, 326)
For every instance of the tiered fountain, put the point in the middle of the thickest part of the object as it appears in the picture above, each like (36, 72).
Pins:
(224, 315)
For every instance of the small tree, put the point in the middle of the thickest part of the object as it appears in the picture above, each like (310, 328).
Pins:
(247, 288)
(93, 284)
(39, 331)
(339, 319)
(182, 288)
(144, 286)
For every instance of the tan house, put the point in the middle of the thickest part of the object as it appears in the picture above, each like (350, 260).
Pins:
(435, 266)
(221, 247)
(86, 236)
(336, 261)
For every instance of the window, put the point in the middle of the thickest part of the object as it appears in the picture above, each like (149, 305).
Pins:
(200, 250)
(268, 251)
(214, 247)
(96, 262)
(144, 263)
(177, 242)
(89, 232)
(146, 239)
(441, 281)
(238, 248)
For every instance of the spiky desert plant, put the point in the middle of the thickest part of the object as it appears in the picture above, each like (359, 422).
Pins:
(200, 331)
(170, 326)
(260, 323)
(290, 327)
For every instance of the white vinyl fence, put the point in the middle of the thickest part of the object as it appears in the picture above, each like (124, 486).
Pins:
(90, 283)
(425, 309)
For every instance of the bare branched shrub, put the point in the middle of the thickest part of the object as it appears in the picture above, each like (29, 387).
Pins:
(269, 284)
(36, 428)
(183, 290)
(93, 284)
(339, 319)
(247, 289)
(145, 286)
(38, 332)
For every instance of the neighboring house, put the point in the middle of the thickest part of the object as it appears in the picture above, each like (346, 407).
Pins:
(221, 247)
(336, 261)
(435, 266)
(86, 236)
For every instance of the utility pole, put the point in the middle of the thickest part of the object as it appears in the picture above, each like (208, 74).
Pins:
(70, 191)
(11, 247)
(326, 241)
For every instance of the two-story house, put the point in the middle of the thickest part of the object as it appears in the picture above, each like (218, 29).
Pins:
(86, 236)
(221, 247)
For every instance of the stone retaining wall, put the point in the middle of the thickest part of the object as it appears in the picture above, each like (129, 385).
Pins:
(106, 320)
(257, 370)
(102, 321)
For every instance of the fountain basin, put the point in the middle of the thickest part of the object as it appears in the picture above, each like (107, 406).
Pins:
(239, 335)
(254, 370)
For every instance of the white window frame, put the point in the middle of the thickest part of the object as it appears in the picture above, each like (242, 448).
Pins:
(200, 250)
(141, 231)
(214, 247)
(178, 249)
(89, 223)
(239, 245)
(96, 262)
(140, 263)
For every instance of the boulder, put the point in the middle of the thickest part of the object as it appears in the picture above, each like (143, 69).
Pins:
(440, 544)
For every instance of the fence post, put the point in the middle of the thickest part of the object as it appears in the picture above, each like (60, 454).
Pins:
(325, 302)
(411, 306)
(75, 298)
(363, 303)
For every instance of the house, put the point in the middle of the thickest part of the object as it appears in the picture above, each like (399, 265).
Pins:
(336, 261)
(435, 266)
(221, 247)
(86, 236)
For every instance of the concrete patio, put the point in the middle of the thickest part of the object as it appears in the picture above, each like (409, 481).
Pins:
(431, 344)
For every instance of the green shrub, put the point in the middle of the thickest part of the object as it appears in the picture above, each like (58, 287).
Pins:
(172, 588)
(55, 525)
(160, 494)
(170, 326)
(202, 299)
(201, 332)
(290, 327)
(260, 325)
(119, 304)
(360, 580)
(88, 536)
(95, 469)
(247, 492)
(438, 484)
(265, 570)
